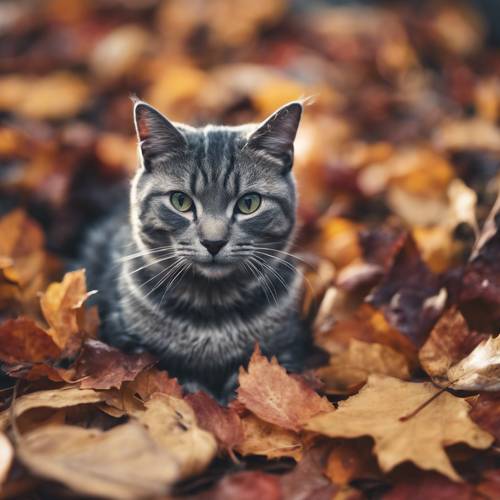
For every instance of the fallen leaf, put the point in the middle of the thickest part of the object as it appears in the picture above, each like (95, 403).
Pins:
(56, 398)
(376, 411)
(122, 463)
(268, 440)
(274, 396)
(101, 366)
(351, 459)
(152, 380)
(61, 306)
(23, 341)
(349, 370)
(366, 325)
(449, 341)
(246, 485)
(489, 486)
(410, 296)
(6, 457)
(427, 485)
(480, 370)
(485, 412)
(172, 424)
(306, 481)
(223, 423)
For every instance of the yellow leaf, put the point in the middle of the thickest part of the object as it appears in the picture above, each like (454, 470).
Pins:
(376, 411)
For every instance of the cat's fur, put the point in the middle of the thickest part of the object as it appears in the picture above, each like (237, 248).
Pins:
(201, 314)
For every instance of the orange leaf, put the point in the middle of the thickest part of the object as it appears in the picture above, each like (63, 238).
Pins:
(276, 397)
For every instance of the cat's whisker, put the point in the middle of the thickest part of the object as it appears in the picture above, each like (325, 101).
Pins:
(271, 269)
(145, 253)
(270, 284)
(255, 274)
(158, 261)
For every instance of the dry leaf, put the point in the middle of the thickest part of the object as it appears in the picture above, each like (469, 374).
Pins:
(153, 380)
(268, 440)
(62, 305)
(223, 423)
(122, 463)
(376, 411)
(349, 370)
(6, 457)
(101, 366)
(56, 398)
(450, 340)
(351, 459)
(276, 397)
(480, 370)
(172, 424)
(485, 412)
(23, 341)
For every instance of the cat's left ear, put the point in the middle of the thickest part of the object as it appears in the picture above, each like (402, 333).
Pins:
(276, 134)
(156, 134)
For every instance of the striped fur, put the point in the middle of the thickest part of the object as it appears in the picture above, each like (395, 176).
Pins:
(159, 287)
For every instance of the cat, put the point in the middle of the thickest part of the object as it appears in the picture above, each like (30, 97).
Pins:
(195, 267)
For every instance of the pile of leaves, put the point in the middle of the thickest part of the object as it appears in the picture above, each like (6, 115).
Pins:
(398, 169)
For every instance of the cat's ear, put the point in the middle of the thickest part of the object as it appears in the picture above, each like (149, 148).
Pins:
(276, 134)
(157, 136)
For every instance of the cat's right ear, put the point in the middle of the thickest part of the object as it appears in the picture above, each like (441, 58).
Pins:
(157, 136)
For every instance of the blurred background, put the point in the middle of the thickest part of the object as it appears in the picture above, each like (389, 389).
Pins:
(405, 101)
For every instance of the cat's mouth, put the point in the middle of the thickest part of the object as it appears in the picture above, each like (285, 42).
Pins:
(214, 268)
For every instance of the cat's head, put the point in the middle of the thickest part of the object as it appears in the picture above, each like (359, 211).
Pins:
(221, 199)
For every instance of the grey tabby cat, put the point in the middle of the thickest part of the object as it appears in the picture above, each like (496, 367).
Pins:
(196, 267)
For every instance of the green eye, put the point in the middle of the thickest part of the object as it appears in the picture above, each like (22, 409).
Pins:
(249, 203)
(181, 201)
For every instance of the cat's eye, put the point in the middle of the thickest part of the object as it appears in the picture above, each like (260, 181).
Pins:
(249, 203)
(181, 201)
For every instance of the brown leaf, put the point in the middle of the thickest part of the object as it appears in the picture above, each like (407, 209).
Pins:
(409, 294)
(349, 370)
(486, 413)
(56, 398)
(246, 485)
(351, 459)
(367, 325)
(449, 342)
(376, 411)
(172, 424)
(23, 341)
(427, 485)
(153, 380)
(101, 366)
(306, 481)
(271, 394)
(223, 423)
(62, 305)
(122, 463)
(489, 486)
(268, 440)
(6, 457)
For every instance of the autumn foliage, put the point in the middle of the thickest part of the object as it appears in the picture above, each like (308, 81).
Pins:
(397, 162)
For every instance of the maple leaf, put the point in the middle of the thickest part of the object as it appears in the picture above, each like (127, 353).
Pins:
(276, 397)
(6, 457)
(223, 423)
(172, 424)
(268, 440)
(349, 370)
(480, 370)
(122, 463)
(377, 409)
(450, 340)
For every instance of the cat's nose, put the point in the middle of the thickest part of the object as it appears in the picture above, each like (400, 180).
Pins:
(213, 246)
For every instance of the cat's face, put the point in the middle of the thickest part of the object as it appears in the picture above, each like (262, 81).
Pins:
(218, 200)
